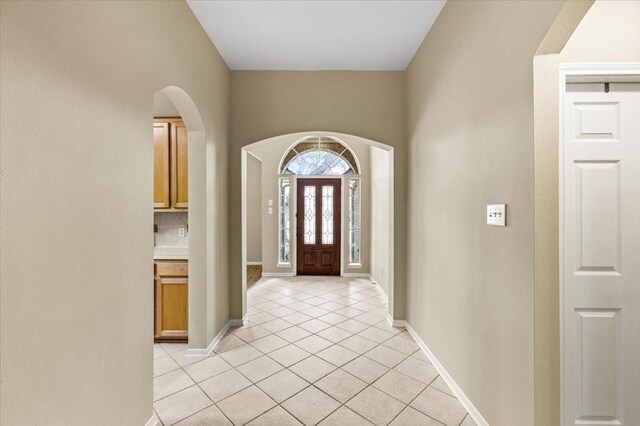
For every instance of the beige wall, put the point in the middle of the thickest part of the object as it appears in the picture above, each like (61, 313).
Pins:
(470, 118)
(380, 216)
(77, 83)
(273, 103)
(609, 32)
(254, 209)
(546, 268)
(546, 265)
(270, 156)
(163, 107)
(271, 153)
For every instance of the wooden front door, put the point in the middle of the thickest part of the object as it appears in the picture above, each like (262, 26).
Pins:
(318, 226)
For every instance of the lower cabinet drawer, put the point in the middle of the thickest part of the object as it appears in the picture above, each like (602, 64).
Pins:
(171, 268)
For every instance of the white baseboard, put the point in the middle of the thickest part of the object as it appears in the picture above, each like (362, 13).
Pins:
(193, 352)
(278, 274)
(239, 322)
(356, 275)
(395, 323)
(254, 263)
(464, 400)
(381, 290)
(153, 421)
(390, 320)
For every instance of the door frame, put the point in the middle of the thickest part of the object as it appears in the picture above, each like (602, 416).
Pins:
(293, 215)
(339, 179)
(594, 73)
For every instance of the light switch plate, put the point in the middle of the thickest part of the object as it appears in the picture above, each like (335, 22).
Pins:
(270, 210)
(270, 203)
(497, 214)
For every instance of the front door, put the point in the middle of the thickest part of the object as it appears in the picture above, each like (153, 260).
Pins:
(318, 226)
(601, 249)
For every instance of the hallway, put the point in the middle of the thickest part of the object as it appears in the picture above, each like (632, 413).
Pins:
(315, 350)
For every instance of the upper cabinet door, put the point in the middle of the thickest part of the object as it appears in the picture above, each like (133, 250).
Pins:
(179, 166)
(161, 198)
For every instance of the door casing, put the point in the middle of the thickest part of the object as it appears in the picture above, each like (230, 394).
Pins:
(336, 183)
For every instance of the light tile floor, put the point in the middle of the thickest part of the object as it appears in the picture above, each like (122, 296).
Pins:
(315, 351)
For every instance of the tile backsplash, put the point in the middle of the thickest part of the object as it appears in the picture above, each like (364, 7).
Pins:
(168, 225)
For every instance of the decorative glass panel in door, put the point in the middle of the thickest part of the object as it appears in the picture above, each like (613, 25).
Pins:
(327, 215)
(309, 214)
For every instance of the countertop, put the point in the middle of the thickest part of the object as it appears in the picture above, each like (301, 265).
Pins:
(171, 253)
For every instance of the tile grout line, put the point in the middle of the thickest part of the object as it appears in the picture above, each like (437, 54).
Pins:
(407, 356)
(340, 368)
(341, 404)
(416, 397)
(294, 294)
(235, 368)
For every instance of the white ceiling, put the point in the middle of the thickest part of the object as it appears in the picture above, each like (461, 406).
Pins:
(317, 34)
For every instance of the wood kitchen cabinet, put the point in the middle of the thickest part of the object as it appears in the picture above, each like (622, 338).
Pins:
(171, 318)
(161, 146)
(171, 171)
(179, 166)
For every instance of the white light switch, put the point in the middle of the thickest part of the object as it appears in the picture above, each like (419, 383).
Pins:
(270, 202)
(181, 232)
(497, 214)
(270, 210)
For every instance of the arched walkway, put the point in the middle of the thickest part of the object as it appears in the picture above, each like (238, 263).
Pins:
(285, 154)
(201, 219)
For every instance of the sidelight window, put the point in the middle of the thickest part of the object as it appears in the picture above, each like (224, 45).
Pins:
(354, 220)
(284, 234)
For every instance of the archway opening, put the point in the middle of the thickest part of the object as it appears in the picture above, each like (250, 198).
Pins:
(365, 234)
(183, 222)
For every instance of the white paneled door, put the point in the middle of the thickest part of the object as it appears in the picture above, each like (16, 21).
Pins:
(601, 255)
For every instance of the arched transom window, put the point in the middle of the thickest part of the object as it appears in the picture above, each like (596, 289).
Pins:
(319, 156)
